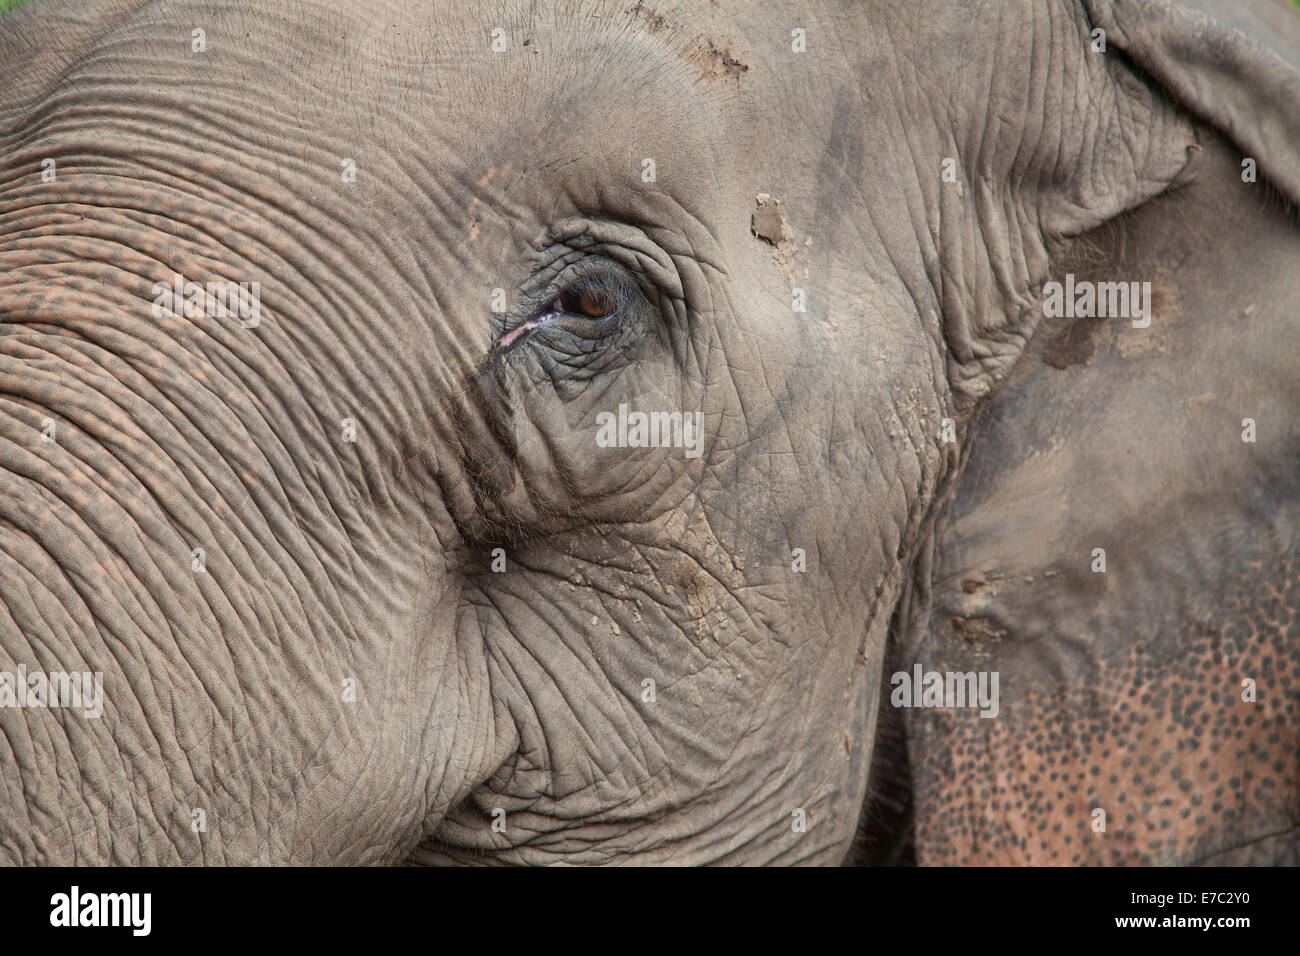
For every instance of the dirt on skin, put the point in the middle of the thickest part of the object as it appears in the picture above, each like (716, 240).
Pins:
(767, 223)
(715, 61)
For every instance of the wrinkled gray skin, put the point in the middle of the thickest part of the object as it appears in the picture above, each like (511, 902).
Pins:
(370, 561)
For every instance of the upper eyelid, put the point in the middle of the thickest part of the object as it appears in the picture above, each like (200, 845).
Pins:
(583, 269)
(620, 292)
(650, 264)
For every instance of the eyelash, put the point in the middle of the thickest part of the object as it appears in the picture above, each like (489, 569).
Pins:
(606, 294)
(591, 297)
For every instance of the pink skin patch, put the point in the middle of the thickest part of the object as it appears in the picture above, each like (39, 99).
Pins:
(516, 333)
(520, 331)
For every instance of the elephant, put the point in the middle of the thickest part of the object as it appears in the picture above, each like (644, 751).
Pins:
(602, 433)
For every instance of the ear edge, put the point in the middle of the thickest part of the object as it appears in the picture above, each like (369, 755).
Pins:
(1216, 73)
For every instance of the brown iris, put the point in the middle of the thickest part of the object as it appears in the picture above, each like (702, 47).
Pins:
(594, 303)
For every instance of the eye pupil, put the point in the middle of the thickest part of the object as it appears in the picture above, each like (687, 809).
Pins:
(592, 303)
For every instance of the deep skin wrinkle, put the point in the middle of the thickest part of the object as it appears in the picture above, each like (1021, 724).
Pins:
(363, 583)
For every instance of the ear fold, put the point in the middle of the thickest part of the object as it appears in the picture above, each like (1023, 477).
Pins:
(1216, 62)
(1105, 133)
(1117, 547)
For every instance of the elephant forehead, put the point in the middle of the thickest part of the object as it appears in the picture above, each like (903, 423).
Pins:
(523, 80)
(535, 108)
(453, 120)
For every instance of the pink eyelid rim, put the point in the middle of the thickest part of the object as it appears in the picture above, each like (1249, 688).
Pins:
(518, 331)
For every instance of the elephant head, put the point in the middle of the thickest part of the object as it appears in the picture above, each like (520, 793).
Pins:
(523, 433)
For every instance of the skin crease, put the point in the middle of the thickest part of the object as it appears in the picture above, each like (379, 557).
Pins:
(369, 563)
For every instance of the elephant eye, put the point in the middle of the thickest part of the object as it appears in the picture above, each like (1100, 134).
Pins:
(592, 302)
(598, 301)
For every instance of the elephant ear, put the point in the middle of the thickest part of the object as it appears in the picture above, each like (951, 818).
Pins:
(1122, 541)
(1227, 62)
(1121, 134)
